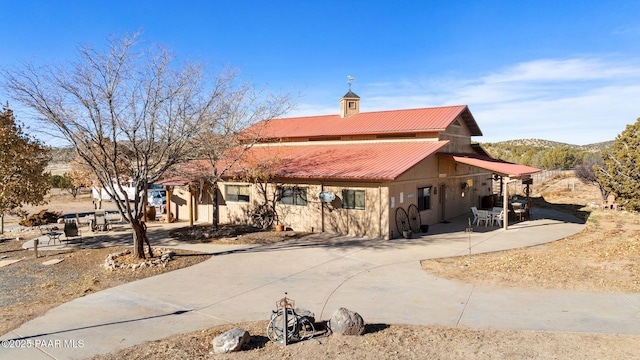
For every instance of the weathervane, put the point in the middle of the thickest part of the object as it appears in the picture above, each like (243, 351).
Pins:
(350, 79)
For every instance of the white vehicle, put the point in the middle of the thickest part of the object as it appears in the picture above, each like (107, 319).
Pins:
(155, 196)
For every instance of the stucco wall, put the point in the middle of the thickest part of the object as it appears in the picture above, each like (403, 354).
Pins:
(448, 198)
(316, 216)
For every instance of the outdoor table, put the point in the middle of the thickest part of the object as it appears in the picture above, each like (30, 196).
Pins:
(53, 236)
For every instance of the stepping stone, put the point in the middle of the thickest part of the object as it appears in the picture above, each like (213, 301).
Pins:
(9, 262)
(52, 261)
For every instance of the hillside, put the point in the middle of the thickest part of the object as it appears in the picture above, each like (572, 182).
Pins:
(544, 154)
(539, 143)
(62, 155)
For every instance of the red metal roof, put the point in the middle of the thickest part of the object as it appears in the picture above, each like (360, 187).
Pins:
(340, 161)
(173, 181)
(380, 122)
(495, 165)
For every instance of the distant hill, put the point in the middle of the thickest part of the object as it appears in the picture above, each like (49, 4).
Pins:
(550, 144)
(544, 154)
(62, 155)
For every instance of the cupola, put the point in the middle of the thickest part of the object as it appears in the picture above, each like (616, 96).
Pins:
(349, 104)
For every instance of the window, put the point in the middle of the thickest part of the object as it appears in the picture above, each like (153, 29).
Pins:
(353, 199)
(293, 195)
(237, 193)
(424, 198)
(352, 104)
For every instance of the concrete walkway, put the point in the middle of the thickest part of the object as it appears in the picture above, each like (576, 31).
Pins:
(381, 280)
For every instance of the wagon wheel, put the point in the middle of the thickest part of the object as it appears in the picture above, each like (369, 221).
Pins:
(262, 217)
(276, 329)
(414, 218)
(402, 220)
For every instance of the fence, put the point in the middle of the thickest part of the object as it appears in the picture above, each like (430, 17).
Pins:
(547, 174)
(516, 187)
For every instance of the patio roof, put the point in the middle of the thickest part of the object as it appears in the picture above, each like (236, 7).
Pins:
(497, 166)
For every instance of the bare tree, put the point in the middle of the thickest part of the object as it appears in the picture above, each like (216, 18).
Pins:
(131, 114)
(234, 136)
(586, 173)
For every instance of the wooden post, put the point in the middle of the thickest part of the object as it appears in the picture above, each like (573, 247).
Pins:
(35, 247)
(169, 191)
(505, 206)
(190, 206)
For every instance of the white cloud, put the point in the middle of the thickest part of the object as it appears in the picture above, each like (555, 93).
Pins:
(557, 71)
(578, 101)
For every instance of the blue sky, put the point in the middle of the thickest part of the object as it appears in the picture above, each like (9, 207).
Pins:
(566, 71)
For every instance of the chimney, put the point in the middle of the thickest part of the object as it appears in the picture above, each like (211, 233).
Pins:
(349, 104)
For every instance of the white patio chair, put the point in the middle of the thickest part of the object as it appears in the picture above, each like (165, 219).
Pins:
(483, 215)
(498, 218)
(474, 210)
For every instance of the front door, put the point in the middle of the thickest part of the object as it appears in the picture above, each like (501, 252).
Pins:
(442, 200)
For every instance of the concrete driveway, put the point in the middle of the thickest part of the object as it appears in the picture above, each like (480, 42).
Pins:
(381, 280)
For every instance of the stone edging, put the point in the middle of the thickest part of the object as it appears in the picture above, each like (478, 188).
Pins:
(111, 262)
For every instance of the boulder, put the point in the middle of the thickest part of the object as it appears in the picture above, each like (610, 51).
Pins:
(230, 341)
(306, 314)
(346, 322)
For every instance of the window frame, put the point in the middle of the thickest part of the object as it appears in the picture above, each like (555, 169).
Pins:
(422, 204)
(236, 198)
(350, 199)
(298, 195)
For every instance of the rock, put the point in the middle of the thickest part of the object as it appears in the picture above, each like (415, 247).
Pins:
(346, 322)
(230, 341)
(306, 314)
(52, 261)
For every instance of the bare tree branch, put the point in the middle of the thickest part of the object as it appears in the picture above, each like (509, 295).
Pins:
(132, 114)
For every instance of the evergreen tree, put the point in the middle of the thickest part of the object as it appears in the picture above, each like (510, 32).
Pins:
(620, 173)
(559, 157)
(23, 179)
